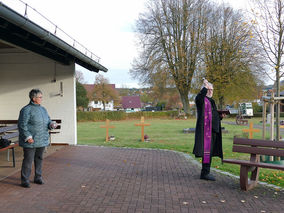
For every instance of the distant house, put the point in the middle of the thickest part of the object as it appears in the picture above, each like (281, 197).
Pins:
(98, 105)
(131, 103)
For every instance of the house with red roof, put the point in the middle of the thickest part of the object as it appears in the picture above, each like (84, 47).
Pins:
(131, 103)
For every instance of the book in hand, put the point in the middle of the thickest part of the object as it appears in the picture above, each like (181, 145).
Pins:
(227, 112)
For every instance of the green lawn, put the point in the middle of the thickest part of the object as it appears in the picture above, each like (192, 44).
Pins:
(168, 134)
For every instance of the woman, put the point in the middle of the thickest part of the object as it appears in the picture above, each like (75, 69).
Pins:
(33, 124)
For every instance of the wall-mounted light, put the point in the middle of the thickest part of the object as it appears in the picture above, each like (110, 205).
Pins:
(60, 93)
(61, 89)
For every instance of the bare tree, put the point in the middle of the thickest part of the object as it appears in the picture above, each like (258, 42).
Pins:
(79, 77)
(269, 26)
(103, 91)
(231, 54)
(169, 33)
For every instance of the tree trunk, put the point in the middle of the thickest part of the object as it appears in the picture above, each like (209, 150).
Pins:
(104, 104)
(221, 102)
(185, 103)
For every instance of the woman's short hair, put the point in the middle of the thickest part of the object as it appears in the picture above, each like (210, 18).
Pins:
(33, 93)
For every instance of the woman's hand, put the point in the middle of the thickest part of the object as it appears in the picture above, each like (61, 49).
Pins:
(30, 140)
(53, 124)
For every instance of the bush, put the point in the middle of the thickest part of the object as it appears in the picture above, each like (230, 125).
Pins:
(121, 115)
(100, 116)
(256, 107)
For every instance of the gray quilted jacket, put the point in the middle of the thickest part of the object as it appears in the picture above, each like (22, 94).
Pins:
(33, 121)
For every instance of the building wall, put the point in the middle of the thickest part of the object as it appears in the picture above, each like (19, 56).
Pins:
(99, 105)
(22, 71)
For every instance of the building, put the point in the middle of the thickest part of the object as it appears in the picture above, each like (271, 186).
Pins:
(131, 103)
(98, 105)
(32, 57)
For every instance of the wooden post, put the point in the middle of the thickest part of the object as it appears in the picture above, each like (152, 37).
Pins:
(142, 124)
(107, 126)
(272, 121)
(251, 130)
(264, 124)
(272, 117)
(264, 120)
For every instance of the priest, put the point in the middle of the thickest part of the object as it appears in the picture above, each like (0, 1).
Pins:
(208, 134)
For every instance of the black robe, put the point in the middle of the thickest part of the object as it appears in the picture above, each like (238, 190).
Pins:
(216, 142)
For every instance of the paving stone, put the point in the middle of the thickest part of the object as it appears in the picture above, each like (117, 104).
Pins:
(104, 179)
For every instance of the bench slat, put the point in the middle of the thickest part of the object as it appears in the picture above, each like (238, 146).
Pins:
(257, 142)
(8, 121)
(57, 120)
(258, 164)
(9, 147)
(10, 135)
(258, 150)
(8, 128)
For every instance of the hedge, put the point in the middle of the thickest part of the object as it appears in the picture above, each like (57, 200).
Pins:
(121, 115)
(259, 114)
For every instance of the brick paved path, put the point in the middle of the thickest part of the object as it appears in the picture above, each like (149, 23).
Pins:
(97, 179)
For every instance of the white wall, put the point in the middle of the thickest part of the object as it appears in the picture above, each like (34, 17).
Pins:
(21, 71)
(99, 105)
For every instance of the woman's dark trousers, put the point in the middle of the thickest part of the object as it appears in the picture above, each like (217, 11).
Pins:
(30, 155)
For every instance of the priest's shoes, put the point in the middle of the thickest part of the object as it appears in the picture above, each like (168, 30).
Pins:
(207, 177)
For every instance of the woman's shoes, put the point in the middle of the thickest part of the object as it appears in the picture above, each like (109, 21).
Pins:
(26, 185)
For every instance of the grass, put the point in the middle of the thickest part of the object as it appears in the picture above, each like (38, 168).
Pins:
(168, 134)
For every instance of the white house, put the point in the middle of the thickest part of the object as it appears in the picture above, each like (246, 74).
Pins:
(98, 105)
(32, 57)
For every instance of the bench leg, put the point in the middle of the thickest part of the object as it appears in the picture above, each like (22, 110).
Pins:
(8, 155)
(13, 153)
(254, 175)
(245, 184)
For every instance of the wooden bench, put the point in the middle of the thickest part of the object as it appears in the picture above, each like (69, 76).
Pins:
(255, 148)
(10, 132)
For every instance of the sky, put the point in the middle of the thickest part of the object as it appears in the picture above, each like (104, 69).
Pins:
(105, 27)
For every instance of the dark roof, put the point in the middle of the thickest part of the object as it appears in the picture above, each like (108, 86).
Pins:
(131, 102)
(19, 31)
(90, 87)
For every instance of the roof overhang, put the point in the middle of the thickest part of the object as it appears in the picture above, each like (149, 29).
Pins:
(22, 32)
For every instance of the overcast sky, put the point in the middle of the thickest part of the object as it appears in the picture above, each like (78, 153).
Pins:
(103, 26)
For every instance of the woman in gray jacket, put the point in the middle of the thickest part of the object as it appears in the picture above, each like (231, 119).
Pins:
(33, 124)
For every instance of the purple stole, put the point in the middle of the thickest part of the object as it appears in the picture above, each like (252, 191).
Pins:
(207, 130)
